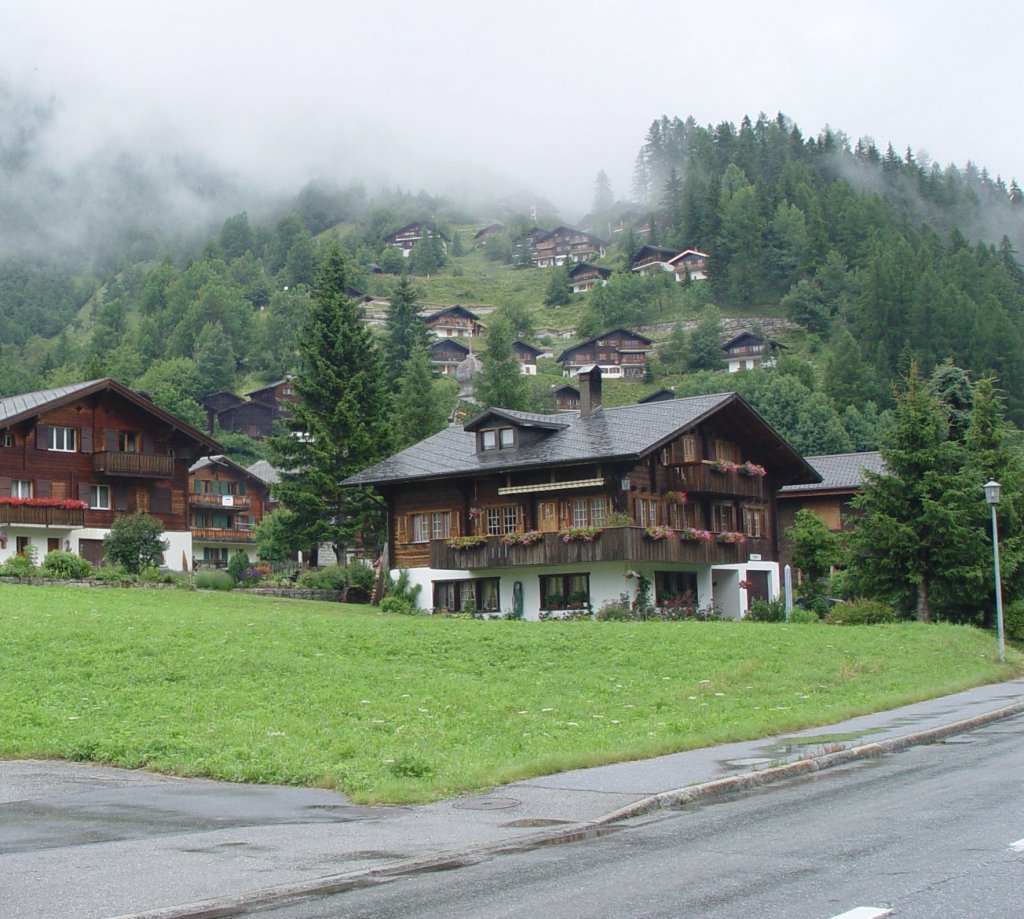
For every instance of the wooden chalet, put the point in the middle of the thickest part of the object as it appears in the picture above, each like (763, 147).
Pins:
(253, 415)
(690, 264)
(74, 458)
(620, 353)
(659, 395)
(446, 354)
(481, 236)
(541, 515)
(565, 244)
(583, 277)
(226, 503)
(566, 396)
(652, 259)
(749, 350)
(406, 238)
(842, 479)
(454, 322)
(527, 356)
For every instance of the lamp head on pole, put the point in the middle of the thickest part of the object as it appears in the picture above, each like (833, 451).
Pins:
(992, 491)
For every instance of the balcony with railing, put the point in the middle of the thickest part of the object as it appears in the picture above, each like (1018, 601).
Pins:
(704, 478)
(29, 515)
(141, 465)
(219, 534)
(235, 502)
(627, 545)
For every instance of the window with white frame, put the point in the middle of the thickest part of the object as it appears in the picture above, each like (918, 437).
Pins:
(455, 596)
(588, 512)
(647, 511)
(503, 520)
(723, 518)
(99, 497)
(432, 525)
(753, 521)
(21, 488)
(62, 439)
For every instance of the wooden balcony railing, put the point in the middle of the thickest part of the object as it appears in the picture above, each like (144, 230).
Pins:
(614, 544)
(26, 515)
(701, 477)
(238, 502)
(215, 534)
(143, 465)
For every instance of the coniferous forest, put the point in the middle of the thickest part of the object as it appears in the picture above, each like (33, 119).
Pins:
(864, 260)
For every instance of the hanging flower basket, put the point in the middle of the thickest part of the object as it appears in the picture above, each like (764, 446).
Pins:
(580, 534)
(692, 534)
(659, 532)
(731, 538)
(675, 497)
(752, 470)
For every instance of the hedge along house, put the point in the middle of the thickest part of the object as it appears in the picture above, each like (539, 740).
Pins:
(546, 514)
(74, 458)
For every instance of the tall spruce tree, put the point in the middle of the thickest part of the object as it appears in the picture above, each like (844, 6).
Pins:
(340, 423)
(501, 384)
(403, 333)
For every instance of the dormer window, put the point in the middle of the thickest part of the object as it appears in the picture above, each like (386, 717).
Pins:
(497, 439)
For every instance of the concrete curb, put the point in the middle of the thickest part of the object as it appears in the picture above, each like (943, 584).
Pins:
(454, 858)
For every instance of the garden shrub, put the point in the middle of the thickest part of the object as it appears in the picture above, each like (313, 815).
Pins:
(802, 615)
(620, 610)
(214, 580)
(1013, 620)
(861, 611)
(331, 577)
(66, 566)
(18, 566)
(237, 564)
(135, 542)
(113, 574)
(396, 603)
(767, 611)
(361, 575)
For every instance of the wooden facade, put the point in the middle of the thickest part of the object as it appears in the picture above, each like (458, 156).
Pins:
(90, 454)
(584, 277)
(226, 504)
(619, 352)
(565, 244)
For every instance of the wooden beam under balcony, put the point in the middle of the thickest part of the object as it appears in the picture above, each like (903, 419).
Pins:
(142, 465)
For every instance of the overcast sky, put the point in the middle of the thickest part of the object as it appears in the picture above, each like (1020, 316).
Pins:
(435, 94)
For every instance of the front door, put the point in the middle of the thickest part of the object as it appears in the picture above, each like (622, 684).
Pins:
(547, 516)
(759, 588)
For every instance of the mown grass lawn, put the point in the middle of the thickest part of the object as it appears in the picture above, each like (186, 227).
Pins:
(411, 709)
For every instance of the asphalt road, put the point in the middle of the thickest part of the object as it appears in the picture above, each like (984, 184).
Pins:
(934, 832)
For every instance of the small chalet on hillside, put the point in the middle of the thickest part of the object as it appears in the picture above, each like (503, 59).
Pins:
(454, 322)
(566, 396)
(406, 238)
(226, 504)
(842, 479)
(620, 353)
(543, 515)
(690, 264)
(652, 259)
(565, 244)
(527, 356)
(74, 458)
(687, 265)
(749, 350)
(253, 415)
(583, 277)
(446, 354)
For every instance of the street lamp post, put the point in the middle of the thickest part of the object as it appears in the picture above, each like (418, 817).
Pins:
(992, 490)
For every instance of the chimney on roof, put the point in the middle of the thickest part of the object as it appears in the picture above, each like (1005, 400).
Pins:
(590, 389)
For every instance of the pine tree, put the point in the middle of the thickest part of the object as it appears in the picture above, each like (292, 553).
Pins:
(339, 424)
(423, 402)
(501, 384)
(403, 332)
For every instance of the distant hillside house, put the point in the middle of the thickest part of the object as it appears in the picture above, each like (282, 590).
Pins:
(652, 259)
(406, 238)
(566, 397)
(454, 322)
(253, 416)
(446, 354)
(480, 237)
(659, 395)
(749, 350)
(584, 276)
(620, 353)
(527, 356)
(690, 263)
(639, 223)
(565, 244)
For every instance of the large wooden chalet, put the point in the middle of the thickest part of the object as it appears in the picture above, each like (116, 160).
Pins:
(540, 515)
(405, 238)
(454, 322)
(584, 277)
(74, 458)
(565, 244)
(620, 353)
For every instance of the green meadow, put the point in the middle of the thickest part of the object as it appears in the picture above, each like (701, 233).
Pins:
(403, 709)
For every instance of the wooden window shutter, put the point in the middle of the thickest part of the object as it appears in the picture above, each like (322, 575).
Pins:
(5, 486)
(42, 433)
(42, 488)
(455, 523)
(160, 500)
(110, 440)
(120, 497)
(401, 527)
(83, 492)
(86, 440)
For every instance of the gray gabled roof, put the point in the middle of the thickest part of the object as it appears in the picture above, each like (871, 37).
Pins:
(839, 472)
(626, 434)
(264, 471)
(14, 409)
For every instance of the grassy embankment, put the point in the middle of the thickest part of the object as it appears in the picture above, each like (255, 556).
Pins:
(411, 709)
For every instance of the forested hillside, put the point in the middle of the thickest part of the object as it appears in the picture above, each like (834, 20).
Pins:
(876, 259)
